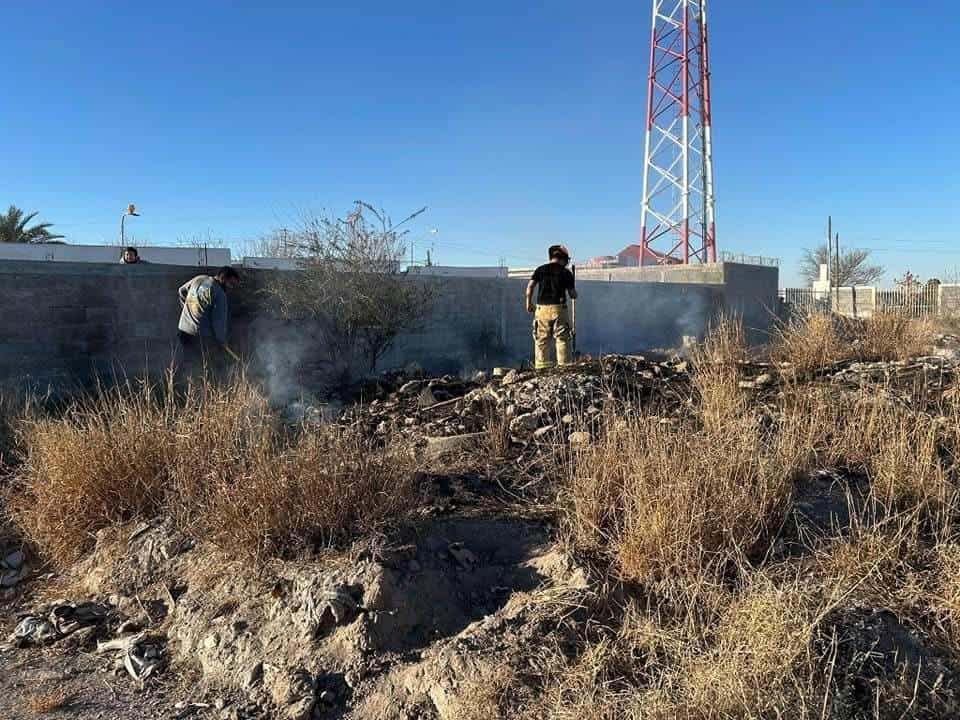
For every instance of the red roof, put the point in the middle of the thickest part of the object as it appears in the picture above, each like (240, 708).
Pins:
(647, 256)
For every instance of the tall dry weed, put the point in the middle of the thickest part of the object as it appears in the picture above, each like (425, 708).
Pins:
(215, 458)
(814, 342)
(692, 510)
(718, 369)
(668, 501)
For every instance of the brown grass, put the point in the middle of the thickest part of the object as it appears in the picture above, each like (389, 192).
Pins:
(718, 369)
(668, 502)
(688, 517)
(44, 702)
(216, 459)
(813, 342)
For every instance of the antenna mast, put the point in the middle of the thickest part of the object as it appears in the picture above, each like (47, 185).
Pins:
(678, 221)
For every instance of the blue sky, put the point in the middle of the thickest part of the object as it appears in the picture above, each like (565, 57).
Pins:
(518, 124)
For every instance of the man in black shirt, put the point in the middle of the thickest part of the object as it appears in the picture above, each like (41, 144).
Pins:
(551, 316)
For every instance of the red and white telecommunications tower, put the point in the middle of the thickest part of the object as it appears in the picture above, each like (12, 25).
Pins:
(678, 204)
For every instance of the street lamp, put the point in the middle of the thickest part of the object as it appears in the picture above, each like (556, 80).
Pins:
(131, 210)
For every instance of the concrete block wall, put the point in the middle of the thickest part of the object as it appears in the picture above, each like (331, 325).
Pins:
(949, 300)
(72, 321)
(477, 322)
(746, 291)
(860, 301)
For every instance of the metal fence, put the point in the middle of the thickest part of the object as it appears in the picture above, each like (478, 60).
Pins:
(916, 302)
(742, 259)
(805, 300)
(921, 301)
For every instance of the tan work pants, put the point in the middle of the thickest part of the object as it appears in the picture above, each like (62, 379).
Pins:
(552, 322)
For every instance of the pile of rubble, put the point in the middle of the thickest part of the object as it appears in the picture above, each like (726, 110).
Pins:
(531, 405)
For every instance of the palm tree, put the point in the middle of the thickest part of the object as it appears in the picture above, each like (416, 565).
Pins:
(13, 228)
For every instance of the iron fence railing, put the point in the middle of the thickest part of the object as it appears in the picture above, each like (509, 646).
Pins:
(743, 259)
(921, 301)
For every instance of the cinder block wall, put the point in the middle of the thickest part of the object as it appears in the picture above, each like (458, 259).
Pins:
(747, 291)
(950, 300)
(72, 321)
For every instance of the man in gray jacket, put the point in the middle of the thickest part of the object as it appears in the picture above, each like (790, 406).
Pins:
(204, 318)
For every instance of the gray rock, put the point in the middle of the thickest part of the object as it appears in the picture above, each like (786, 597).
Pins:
(411, 387)
(14, 560)
(302, 709)
(438, 447)
(510, 378)
(254, 676)
(527, 422)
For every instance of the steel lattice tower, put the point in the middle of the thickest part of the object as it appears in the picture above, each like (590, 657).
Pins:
(678, 224)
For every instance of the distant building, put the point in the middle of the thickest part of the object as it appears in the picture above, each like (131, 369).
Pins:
(602, 262)
(637, 255)
(454, 271)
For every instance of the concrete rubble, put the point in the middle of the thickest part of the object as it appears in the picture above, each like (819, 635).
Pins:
(535, 406)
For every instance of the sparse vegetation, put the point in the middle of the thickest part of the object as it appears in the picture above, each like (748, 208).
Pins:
(215, 458)
(349, 287)
(45, 702)
(725, 620)
(788, 550)
(814, 342)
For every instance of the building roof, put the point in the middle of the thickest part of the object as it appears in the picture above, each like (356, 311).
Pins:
(647, 256)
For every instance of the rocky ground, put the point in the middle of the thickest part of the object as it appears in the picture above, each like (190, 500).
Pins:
(156, 625)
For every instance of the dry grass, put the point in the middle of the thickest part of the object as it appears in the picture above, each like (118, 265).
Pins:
(718, 363)
(817, 341)
(670, 502)
(497, 427)
(216, 459)
(688, 516)
(44, 702)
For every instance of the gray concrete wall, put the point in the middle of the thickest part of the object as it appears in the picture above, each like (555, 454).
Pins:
(72, 321)
(747, 291)
(949, 300)
(479, 322)
(858, 302)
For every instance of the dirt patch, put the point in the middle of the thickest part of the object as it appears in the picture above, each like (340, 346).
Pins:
(331, 636)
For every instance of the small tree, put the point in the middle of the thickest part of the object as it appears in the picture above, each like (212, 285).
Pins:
(349, 285)
(13, 228)
(855, 266)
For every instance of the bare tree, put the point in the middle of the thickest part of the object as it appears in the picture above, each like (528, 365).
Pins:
(855, 266)
(350, 287)
(278, 243)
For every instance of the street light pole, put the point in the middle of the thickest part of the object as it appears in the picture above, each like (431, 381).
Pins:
(131, 210)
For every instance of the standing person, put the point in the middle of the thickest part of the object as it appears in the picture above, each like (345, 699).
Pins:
(555, 284)
(204, 317)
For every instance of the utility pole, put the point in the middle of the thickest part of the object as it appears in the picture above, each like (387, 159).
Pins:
(678, 222)
(829, 257)
(836, 247)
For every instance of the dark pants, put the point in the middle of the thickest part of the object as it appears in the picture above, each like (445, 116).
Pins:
(199, 357)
